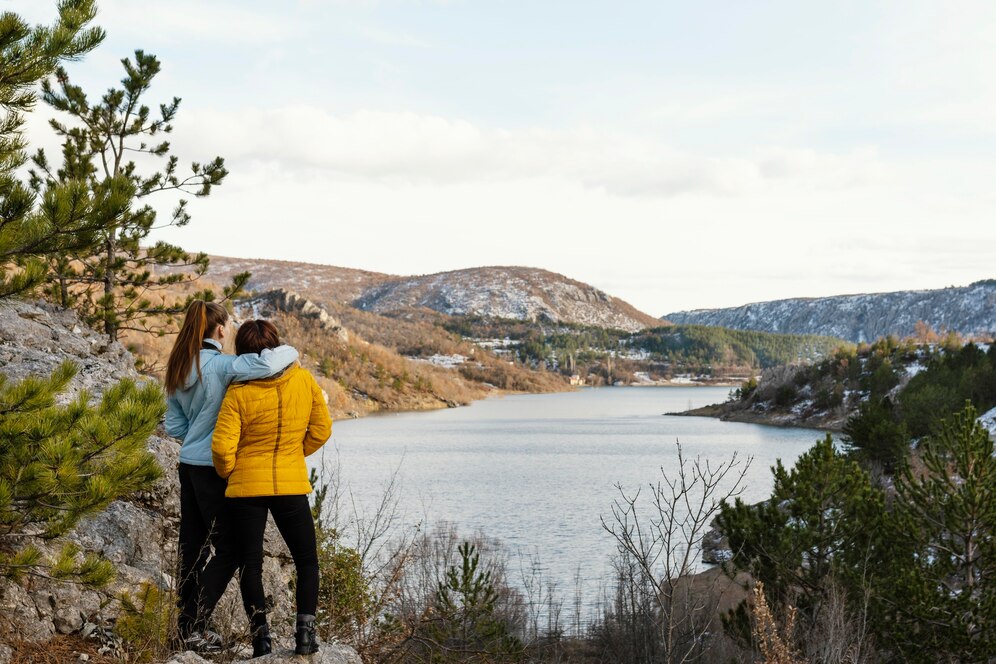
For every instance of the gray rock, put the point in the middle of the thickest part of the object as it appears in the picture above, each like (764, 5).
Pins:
(715, 546)
(164, 496)
(19, 610)
(36, 337)
(131, 537)
(188, 657)
(328, 653)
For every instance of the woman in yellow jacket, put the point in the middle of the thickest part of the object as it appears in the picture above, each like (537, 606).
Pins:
(265, 429)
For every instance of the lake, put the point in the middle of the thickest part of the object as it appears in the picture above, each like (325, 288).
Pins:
(538, 471)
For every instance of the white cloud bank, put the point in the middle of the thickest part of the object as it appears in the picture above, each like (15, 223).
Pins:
(407, 193)
(407, 148)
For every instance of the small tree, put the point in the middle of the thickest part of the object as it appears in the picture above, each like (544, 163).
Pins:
(819, 529)
(942, 594)
(107, 144)
(876, 435)
(59, 464)
(467, 624)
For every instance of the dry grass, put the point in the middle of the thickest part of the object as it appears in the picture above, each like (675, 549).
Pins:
(773, 640)
(59, 650)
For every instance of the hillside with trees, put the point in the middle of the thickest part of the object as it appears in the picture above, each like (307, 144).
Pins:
(873, 381)
(662, 354)
(862, 318)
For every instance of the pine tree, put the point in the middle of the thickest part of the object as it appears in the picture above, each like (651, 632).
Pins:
(818, 528)
(942, 593)
(468, 624)
(68, 217)
(114, 283)
(61, 463)
(57, 463)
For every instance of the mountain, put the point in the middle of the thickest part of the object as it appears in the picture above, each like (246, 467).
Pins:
(969, 310)
(518, 293)
(323, 283)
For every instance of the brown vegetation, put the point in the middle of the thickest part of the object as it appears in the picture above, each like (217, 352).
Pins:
(59, 650)
(372, 371)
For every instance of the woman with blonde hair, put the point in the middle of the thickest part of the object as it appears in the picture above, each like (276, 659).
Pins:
(197, 375)
(265, 430)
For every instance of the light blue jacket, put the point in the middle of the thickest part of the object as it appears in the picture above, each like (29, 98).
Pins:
(191, 413)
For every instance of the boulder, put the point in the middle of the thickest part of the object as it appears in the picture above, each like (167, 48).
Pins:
(328, 653)
(187, 657)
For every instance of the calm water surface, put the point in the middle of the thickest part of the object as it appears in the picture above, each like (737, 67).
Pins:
(537, 471)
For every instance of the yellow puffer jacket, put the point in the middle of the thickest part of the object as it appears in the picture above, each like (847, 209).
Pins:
(265, 429)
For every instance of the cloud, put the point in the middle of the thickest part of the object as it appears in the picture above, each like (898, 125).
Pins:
(413, 148)
(183, 21)
(386, 37)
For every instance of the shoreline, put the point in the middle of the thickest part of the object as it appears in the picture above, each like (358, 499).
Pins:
(787, 420)
(495, 393)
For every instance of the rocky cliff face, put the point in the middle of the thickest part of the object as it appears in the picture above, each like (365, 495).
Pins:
(266, 304)
(137, 534)
(865, 317)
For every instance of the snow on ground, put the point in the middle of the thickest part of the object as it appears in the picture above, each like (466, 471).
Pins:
(988, 420)
(444, 361)
(914, 368)
(802, 406)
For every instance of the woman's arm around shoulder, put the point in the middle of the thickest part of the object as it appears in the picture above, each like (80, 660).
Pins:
(320, 423)
(227, 432)
(252, 366)
(177, 423)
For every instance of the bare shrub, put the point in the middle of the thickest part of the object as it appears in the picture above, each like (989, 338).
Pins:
(657, 615)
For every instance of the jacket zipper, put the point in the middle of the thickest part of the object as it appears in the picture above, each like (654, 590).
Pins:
(276, 444)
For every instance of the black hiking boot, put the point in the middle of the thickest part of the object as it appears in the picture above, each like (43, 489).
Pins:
(262, 644)
(305, 638)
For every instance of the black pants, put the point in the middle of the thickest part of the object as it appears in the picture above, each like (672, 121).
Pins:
(205, 524)
(292, 514)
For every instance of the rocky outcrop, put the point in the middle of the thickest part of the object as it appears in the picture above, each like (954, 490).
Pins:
(138, 534)
(329, 653)
(282, 300)
(969, 310)
(35, 338)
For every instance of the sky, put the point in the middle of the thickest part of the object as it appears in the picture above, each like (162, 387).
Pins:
(676, 155)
